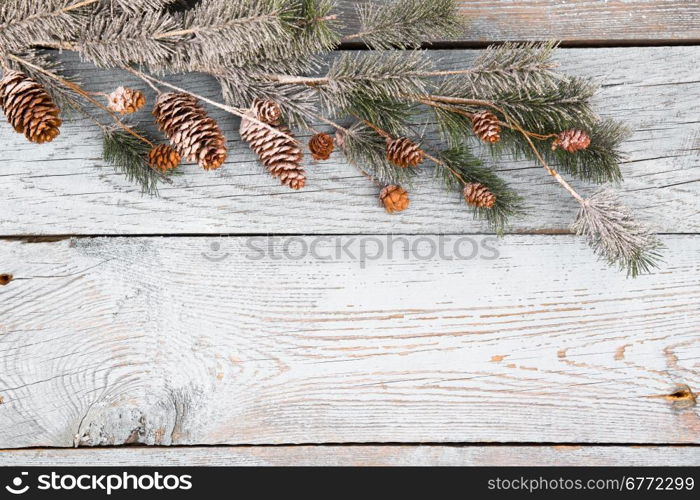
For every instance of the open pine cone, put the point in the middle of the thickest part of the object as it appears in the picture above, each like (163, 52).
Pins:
(29, 108)
(571, 141)
(192, 132)
(478, 195)
(394, 198)
(404, 153)
(125, 100)
(486, 127)
(163, 158)
(267, 111)
(281, 155)
(321, 146)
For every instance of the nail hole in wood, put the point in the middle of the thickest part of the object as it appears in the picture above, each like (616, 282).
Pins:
(5, 279)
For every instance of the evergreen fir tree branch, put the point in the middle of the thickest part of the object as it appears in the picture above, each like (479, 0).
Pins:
(354, 78)
(407, 24)
(24, 23)
(615, 236)
(599, 163)
(129, 155)
(122, 39)
(458, 166)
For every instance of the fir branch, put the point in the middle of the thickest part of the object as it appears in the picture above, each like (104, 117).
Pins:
(407, 24)
(121, 40)
(599, 163)
(24, 23)
(458, 166)
(354, 78)
(615, 236)
(129, 156)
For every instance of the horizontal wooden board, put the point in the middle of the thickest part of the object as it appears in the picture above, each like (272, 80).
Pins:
(583, 21)
(365, 455)
(225, 341)
(61, 188)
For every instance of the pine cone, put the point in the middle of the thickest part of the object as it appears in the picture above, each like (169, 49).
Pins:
(29, 108)
(192, 132)
(486, 127)
(125, 100)
(571, 140)
(163, 158)
(404, 153)
(321, 146)
(394, 198)
(267, 111)
(478, 195)
(280, 155)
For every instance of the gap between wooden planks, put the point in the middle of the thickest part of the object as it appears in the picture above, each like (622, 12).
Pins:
(191, 341)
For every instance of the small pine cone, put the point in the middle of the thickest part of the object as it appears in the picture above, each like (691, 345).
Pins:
(280, 155)
(163, 158)
(267, 111)
(125, 100)
(571, 140)
(321, 146)
(486, 127)
(29, 108)
(394, 198)
(478, 195)
(404, 153)
(192, 132)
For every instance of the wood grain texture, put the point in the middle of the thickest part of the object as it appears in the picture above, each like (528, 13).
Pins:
(366, 455)
(188, 341)
(61, 188)
(582, 21)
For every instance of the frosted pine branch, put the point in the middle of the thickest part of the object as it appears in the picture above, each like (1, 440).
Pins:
(615, 235)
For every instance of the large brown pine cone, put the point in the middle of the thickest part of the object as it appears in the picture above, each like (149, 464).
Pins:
(394, 198)
(321, 146)
(281, 155)
(486, 127)
(29, 108)
(404, 153)
(571, 140)
(192, 132)
(478, 195)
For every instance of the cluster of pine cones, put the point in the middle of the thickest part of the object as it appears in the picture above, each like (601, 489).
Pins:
(195, 136)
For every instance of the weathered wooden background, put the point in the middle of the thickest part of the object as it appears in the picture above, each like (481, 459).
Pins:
(136, 320)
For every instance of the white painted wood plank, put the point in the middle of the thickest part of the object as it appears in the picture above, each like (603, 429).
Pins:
(366, 455)
(160, 341)
(60, 188)
(587, 21)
